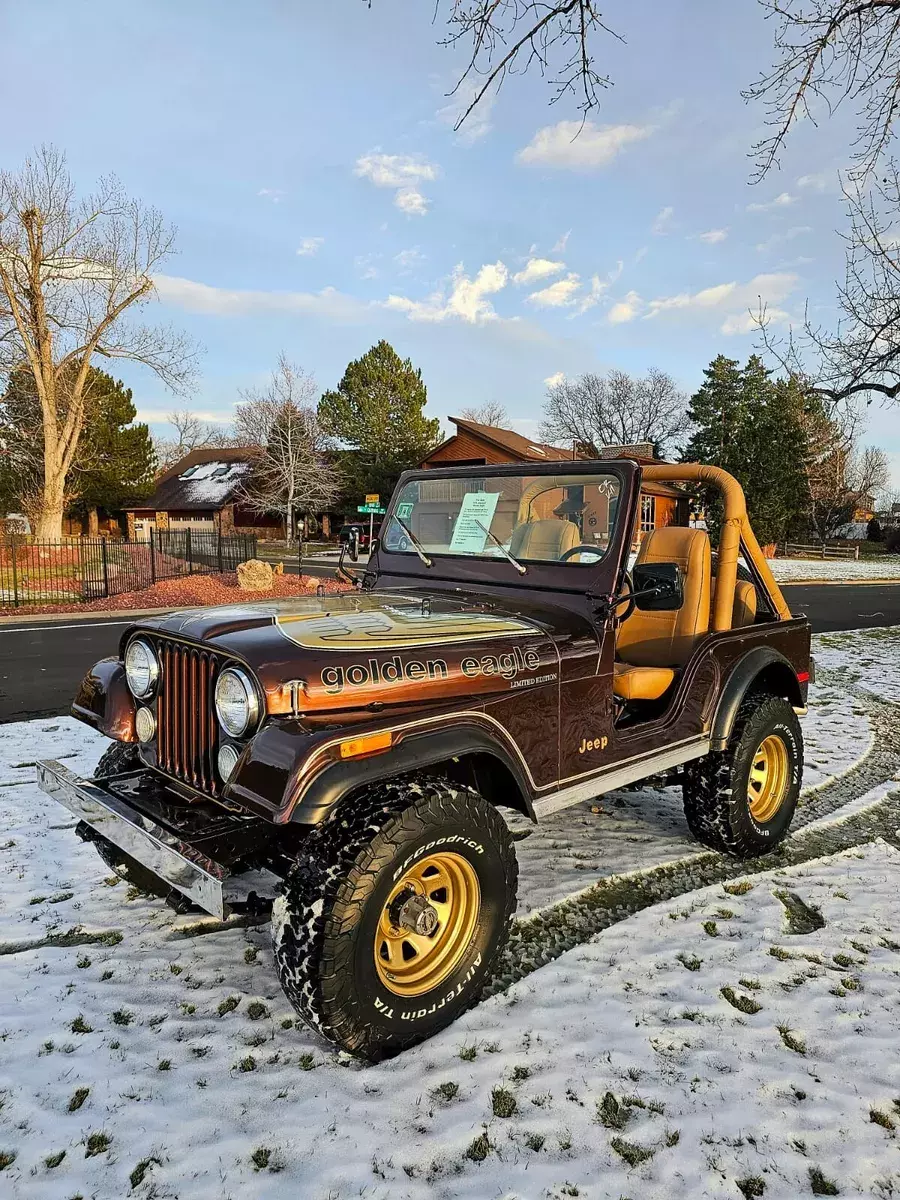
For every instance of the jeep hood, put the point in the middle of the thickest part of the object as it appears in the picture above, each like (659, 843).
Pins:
(382, 648)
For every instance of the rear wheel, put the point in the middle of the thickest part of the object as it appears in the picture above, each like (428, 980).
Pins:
(741, 800)
(391, 920)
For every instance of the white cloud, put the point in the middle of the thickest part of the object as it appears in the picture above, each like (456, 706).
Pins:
(662, 221)
(713, 236)
(464, 299)
(538, 268)
(562, 242)
(408, 260)
(553, 381)
(560, 294)
(478, 123)
(196, 297)
(625, 310)
(641, 253)
(276, 195)
(819, 181)
(734, 299)
(778, 238)
(781, 201)
(309, 246)
(746, 322)
(365, 264)
(402, 172)
(580, 146)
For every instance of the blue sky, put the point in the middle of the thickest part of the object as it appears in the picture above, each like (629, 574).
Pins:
(323, 201)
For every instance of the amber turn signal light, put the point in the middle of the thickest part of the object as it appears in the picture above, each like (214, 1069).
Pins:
(372, 743)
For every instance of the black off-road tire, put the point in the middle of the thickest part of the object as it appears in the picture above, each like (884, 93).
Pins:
(714, 788)
(324, 924)
(116, 759)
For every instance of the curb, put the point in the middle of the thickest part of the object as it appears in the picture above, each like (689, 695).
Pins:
(94, 614)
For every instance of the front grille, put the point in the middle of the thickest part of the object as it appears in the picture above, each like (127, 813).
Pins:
(187, 729)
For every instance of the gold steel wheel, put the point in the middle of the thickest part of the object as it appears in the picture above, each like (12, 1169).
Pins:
(426, 925)
(769, 779)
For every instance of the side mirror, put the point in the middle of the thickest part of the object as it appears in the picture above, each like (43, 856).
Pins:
(658, 587)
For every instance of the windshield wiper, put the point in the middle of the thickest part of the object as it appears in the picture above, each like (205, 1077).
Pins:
(417, 545)
(503, 550)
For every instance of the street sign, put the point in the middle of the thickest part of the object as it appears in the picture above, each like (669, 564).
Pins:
(370, 508)
(373, 498)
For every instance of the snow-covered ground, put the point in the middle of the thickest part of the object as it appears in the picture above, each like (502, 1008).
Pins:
(158, 1053)
(795, 570)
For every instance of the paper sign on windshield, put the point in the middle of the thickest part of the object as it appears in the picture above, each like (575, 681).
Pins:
(468, 536)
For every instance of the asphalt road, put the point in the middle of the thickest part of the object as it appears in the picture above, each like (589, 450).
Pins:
(42, 665)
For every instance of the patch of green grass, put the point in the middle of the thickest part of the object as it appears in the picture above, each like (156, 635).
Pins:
(468, 1053)
(791, 1040)
(287, 1023)
(175, 968)
(744, 1004)
(256, 1010)
(228, 1005)
(860, 948)
(136, 1178)
(690, 961)
(52, 1161)
(78, 1098)
(97, 1143)
(7, 1158)
(851, 983)
(479, 1148)
(250, 955)
(261, 1157)
(821, 1185)
(247, 1064)
(188, 1009)
(535, 1142)
(122, 1016)
(164, 1064)
(710, 928)
(612, 1112)
(200, 1051)
(633, 1154)
(106, 975)
(877, 1117)
(83, 961)
(519, 1073)
(739, 888)
(724, 914)
(37, 899)
(842, 960)
(79, 1025)
(503, 1102)
(780, 953)
(887, 944)
(673, 1137)
(60, 897)
(306, 1062)
(751, 1187)
(752, 985)
(446, 1091)
(46, 1048)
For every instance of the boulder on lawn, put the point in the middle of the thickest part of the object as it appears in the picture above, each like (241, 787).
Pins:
(255, 576)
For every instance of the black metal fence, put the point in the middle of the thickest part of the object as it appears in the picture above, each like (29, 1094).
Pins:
(39, 572)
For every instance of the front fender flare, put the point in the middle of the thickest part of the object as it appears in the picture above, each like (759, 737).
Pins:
(761, 663)
(413, 752)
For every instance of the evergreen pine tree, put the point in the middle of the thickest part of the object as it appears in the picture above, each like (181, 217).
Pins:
(377, 413)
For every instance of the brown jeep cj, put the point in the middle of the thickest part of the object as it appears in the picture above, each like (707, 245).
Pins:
(357, 748)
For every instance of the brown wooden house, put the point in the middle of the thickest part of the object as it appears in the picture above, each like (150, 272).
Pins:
(475, 445)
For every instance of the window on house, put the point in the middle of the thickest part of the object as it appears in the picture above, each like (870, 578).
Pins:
(220, 472)
(648, 513)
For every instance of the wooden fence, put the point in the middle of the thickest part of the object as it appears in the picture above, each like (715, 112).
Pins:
(834, 550)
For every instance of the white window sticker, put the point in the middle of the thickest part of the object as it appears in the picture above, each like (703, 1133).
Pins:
(477, 510)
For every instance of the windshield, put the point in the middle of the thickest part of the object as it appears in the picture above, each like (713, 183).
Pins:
(533, 518)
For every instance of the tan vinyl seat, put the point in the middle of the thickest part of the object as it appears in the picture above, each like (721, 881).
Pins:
(546, 541)
(744, 609)
(650, 645)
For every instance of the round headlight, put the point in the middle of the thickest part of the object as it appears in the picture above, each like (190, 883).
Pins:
(144, 724)
(237, 705)
(141, 668)
(227, 761)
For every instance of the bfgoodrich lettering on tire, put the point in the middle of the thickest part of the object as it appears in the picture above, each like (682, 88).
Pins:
(741, 800)
(394, 914)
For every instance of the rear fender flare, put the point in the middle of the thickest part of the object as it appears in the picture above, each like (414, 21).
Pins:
(763, 665)
(414, 752)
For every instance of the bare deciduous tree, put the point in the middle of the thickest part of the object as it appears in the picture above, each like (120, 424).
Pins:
(192, 433)
(492, 413)
(616, 410)
(861, 354)
(830, 51)
(841, 474)
(72, 272)
(289, 470)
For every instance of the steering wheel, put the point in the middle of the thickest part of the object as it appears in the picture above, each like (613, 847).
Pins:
(627, 598)
(580, 549)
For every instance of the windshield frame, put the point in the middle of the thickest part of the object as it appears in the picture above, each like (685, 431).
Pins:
(555, 576)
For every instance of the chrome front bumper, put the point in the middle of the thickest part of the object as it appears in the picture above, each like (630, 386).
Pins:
(171, 860)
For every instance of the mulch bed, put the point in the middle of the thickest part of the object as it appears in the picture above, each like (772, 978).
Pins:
(200, 591)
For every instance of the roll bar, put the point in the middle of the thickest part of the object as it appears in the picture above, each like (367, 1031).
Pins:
(735, 530)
